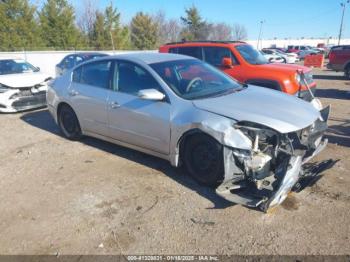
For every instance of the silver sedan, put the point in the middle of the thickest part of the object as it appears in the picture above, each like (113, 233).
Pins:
(247, 141)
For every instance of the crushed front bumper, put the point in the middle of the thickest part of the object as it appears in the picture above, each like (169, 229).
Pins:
(238, 189)
(16, 100)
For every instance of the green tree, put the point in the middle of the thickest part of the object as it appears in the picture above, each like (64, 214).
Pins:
(143, 31)
(57, 22)
(195, 28)
(107, 32)
(18, 26)
(98, 37)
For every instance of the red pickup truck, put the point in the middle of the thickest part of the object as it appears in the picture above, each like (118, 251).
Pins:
(339, 59)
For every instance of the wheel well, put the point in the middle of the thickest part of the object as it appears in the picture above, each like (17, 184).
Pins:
(186, 136)
(347, 66)
(59, 107)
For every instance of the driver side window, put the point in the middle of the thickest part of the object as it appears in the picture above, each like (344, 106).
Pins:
(130, 78)
(214, 55)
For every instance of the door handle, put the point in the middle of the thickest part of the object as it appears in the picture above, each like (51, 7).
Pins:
(73, 93)
(114, 105)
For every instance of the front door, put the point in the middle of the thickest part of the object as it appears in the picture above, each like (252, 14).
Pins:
(133, 120)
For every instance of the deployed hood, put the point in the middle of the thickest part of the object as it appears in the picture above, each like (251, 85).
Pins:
(23, 79)
(281, 112)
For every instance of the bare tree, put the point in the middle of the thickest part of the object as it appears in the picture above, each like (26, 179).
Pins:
(87, 16)
(220, 32)
(239, 32)
(168, 30)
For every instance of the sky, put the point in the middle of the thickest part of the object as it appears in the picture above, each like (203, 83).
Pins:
(282, 18)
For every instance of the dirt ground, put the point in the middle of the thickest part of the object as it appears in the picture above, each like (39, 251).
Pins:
(92, 197)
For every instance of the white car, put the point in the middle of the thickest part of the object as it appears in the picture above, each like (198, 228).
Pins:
(289, 58)
(272, 58)
(22, 86)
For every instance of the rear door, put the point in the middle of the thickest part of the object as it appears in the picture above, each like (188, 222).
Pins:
(133, 120)
(89, 95)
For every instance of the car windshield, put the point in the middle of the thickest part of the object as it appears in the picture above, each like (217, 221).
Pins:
(14, 66)
(251, 55)
(193, 79)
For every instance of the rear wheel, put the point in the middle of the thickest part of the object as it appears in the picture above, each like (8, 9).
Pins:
(203, 158)
(68, 123)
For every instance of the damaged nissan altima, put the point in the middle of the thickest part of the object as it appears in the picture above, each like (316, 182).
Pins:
(247, 141)
(22, 86)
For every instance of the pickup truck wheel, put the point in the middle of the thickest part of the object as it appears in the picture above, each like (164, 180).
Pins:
(68, 123)
(203, 158)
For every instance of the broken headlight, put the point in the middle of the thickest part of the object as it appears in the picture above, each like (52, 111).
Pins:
(265, 142)
(262, 137)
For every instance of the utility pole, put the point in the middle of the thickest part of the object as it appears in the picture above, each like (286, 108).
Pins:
(343, 5)
(260, 32)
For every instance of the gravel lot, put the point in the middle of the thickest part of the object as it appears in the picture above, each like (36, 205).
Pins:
(93, 197)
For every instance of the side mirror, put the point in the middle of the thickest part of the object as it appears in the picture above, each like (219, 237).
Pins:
(151, 94)
(226, 62)
(37, 69)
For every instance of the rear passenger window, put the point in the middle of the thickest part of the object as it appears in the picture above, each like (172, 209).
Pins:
(214, 55)
(77, 75)
(96, 74)
(173, 50)
(193, 51)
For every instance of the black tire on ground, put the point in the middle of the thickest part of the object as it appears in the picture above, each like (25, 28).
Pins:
(203, 158)
(347, 72)
(68, 123)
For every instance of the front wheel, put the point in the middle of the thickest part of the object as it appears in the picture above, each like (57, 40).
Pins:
(203, 158)
(68, 123)
(347, 72)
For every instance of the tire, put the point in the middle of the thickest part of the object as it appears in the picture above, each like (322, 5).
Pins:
(347, 72)
(68, 123)
(203, 159)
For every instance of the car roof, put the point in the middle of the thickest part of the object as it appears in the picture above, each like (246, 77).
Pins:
(86, 54)
(204, 43)
(90, 54)
(150, 57)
